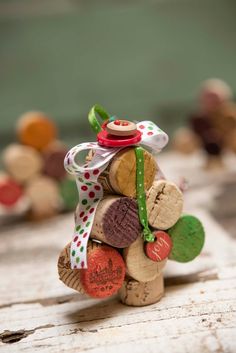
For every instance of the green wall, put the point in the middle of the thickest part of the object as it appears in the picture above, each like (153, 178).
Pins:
(137, 58)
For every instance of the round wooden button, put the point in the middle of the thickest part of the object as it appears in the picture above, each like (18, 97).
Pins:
(36, 129)
(121, 128)
(105, 273)
(160, 248)
(187, 236)
(10, 192)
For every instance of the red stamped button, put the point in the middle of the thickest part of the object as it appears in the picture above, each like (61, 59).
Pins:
(105, 273)
(160, 248)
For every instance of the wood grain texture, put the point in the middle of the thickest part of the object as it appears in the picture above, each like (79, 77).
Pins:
(197, 313)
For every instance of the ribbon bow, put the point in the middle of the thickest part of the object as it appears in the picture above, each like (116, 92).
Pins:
(86, 175)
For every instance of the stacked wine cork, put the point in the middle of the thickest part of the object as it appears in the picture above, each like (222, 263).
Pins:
(119, 257)
(212, 126)
(34, 171)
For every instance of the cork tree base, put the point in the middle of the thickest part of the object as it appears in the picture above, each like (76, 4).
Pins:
(136, 293)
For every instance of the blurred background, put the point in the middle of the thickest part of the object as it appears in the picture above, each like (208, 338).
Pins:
(139, 59)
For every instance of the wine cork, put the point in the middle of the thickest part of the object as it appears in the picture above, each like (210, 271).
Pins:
(116, 221)
(69, 194)
(187, 237)
(138, 265)
(53, 157)
(22, 162)
(213, 93)
(185, 141)
(225, 119)
(44, 196)
(232, 141)
(164, 204)
(35, 129)
(10, 191)
(105, 273)
(136, 293)
(120, 175)
(70, 277)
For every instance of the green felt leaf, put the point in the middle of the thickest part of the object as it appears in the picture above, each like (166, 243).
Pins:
(188, 237)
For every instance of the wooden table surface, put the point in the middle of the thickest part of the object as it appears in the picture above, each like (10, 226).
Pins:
(197, 314)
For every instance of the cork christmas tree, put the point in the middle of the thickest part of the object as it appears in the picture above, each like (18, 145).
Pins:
(129, 220)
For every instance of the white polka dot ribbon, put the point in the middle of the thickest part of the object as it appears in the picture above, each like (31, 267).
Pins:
(90, 193)
(152, 136)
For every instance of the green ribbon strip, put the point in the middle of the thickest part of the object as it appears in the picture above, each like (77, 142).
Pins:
(141, 196)
(93, 120)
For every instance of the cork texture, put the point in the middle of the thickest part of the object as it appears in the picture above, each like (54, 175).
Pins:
(69, 277)
(120, 175)
(138, 265)
(164, 204)
(136, 293)
(105, 273)
(116, 221)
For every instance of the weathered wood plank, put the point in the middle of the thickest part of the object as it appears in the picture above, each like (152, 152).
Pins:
(197, 310)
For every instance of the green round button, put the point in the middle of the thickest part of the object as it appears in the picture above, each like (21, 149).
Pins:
(188, 237)
(69, 194)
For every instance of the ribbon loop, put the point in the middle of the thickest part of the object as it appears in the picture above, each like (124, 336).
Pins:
(96, 126)
(152, 135)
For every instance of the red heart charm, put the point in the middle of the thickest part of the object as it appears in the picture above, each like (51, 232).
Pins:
(160, 248)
